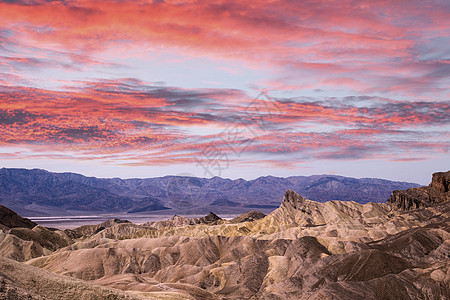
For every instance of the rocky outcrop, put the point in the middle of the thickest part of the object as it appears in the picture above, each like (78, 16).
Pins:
(414, 198)
(302, 250)
(20, 281)
(248, 217)
(292, 200)
(88, 230)
(208, 219)
(23, 243)
(441, 182)
(10, 219)
(22, 239)
(179, 221)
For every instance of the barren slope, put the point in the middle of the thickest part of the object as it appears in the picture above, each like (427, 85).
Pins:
(302, 250)
(20, 281)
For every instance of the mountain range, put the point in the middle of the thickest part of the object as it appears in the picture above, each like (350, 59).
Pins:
(35, 192)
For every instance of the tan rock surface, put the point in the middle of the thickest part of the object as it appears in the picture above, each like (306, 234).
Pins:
(23, 243)
(302, 250)
(20, 281)
(315, 250)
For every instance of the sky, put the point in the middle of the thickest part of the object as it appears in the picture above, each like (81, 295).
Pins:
(236, 89)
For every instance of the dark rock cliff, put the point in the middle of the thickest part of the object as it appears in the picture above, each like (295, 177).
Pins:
(413, 198)
(10, 219)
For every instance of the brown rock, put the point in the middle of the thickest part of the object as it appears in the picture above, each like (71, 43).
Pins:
(178, 221)
(20, 281)
(87, 230)
(10, 219)
(292, 199)
(441, 181)
(414, 198)
(248, 217)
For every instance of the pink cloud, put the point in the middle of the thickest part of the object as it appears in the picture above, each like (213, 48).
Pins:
(377, 43)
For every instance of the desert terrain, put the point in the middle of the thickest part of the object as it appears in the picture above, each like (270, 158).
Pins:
(302, 250)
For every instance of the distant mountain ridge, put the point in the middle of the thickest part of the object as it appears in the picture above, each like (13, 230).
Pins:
(27, 191)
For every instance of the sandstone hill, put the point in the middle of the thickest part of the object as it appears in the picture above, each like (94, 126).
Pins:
(22, 239)
(177, 221)
(19, 281)
(248, 217)
(9, 219)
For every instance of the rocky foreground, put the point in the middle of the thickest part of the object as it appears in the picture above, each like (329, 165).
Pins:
(302, 250)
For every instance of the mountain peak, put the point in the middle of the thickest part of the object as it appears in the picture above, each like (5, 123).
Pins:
(292, 199)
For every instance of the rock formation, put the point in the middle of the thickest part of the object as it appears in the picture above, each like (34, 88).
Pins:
(19, 281)
(308, 250)
(413, 198)
(10, 219)
(248, 217)
(302, 250)
(22, 243)
(22, 239)
(178, 221)
(89, 230)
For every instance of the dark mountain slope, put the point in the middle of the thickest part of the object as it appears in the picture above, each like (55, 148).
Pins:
(437, 191)
(26, 191)
(10, 219)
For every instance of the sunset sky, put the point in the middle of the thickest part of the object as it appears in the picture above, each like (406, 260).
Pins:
(226, 88)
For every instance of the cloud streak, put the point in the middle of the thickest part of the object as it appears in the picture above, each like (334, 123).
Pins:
(126, 118)
(375, 46)
(171, 83)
